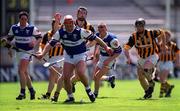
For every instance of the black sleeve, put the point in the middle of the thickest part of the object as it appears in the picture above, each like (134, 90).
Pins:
(176, 49)
(156, 33)
(45, 38)
(131, 41)
(92, 29)
(10, 37)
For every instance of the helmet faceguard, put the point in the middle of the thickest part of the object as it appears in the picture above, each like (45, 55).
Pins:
(140, 22)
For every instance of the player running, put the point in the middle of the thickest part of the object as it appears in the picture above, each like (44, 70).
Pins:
(167, 55)
(145, 42)
(26, 37)
(55, 53)
(73, 41)
(105, 60)
(81, 22)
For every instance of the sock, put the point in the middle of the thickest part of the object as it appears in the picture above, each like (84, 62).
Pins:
(56, 94)
(48, 94)
(163, 88)
(87, 88)
(109, 78)
(96, 92)
(22, 92)
(70, 95)
(167, 86)
(151, 83)
(31, 90)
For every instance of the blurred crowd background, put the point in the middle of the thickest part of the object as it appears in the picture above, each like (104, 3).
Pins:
(119, 15)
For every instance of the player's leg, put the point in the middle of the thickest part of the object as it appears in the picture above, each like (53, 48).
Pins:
(80, 69)
(67, 72)
(74, 79)
(29, 85)
(149, 71)
(53, 78)
(163, 83)
(97, 78)
(111, 78)
(143, 81)
(60, 84)
(22, 77)
(166, 88)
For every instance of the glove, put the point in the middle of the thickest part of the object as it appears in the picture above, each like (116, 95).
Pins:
(109, 50)
(3, 42)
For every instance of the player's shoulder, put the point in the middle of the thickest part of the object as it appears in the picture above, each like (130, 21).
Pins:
(84, 30)
(88, 24)
(14, 26)
(172, 43)
(48, 32)
(115, 43)
(134, 33)
(61, 30)
(112, 35)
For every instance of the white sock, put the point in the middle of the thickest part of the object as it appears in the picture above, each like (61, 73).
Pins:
(87, 88)
(70, 95)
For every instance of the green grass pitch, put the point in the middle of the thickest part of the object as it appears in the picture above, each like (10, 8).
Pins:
(125, 97)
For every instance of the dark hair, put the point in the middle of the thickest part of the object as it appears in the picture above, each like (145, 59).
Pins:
(82, 8)
(53, 21)
(23, 13)
(140, 21)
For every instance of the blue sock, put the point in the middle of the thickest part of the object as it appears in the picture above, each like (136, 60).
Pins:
(22, 92)
(31, 90)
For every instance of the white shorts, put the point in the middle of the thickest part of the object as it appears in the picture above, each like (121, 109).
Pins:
(101, 61)
(56, 58)
(23, 55)
(168, 65)
(75, 58)
(153, 58)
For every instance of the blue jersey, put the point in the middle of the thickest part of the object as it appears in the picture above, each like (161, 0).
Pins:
(74, 42)
(112, 41)
(23, 36)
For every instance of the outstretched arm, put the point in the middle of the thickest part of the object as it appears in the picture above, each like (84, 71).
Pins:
(45, 50)
(104, 45)
(126, 52)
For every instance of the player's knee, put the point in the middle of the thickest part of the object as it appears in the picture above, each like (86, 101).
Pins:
(21, 71)
(149, 71)
(141, 76)
(95, 78)
(148, 65)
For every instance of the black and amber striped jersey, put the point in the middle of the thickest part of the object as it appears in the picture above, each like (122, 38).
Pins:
(87, 26)
(168, 53)
(55, 51)
(145, 45)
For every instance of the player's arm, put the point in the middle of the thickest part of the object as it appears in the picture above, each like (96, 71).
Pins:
(57, 23)
(177, 56)
(115, 45)
(38, 38)
(127, 47)
(160, 35)
(90, 44)
(96, 53)
(49, 45)
(8, 38)
(7, 41)
(43, 42)
(90, 36)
